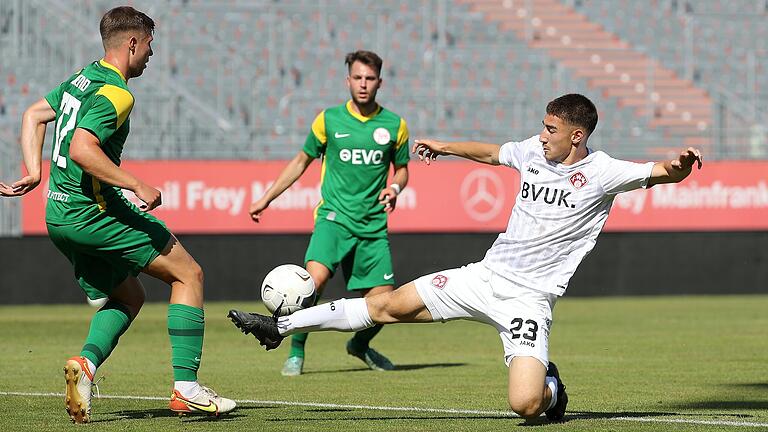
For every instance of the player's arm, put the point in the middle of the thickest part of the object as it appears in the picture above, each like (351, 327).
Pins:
(675, 170)
(33, 124)
(287, 177)
(428, 150)
(388, 195)
(85, 150)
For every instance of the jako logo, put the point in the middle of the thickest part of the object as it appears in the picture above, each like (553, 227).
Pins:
(361, 156)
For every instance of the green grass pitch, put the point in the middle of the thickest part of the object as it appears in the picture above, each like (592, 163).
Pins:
(636, 363)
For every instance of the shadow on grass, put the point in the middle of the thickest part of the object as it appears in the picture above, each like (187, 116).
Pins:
(241, 411)
(397, 417)
(756, 386)
(540, 421)
(145, 414)
(407, 367)
(402, 367)
(752, 400)
(726, 405)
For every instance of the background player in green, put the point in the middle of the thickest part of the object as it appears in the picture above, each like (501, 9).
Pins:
(357, 141)
(107, 239)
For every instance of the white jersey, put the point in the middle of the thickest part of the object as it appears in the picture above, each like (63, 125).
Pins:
(559, 213)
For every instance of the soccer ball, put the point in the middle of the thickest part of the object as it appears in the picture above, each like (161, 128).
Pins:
(288, 287)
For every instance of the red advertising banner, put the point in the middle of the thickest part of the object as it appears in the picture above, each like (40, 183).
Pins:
(447, 196)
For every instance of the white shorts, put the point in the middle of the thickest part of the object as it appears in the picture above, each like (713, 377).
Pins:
(522, 316)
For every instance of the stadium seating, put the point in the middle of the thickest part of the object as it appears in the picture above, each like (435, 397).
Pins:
(239, 79)
(719, 46)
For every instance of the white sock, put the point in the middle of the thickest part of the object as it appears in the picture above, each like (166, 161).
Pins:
(91, 367)
(187, 389)
(341, 315)
(551, 382)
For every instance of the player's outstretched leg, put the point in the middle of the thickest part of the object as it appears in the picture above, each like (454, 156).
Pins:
(264, 328)
(79, 380)
(557, 411)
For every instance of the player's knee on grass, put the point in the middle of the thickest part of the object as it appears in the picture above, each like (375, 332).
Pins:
(526, 406)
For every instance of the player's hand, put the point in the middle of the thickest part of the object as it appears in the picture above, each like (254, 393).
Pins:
(687, 158)
(256, 209)
(427, 149)
(20, 187)
(150, 196)
(388, 198)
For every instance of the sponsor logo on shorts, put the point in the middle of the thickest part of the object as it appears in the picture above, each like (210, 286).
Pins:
(388, 276)
(578, 180)
(439, 281)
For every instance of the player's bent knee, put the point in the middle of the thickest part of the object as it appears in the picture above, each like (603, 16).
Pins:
(197, 273)
(192, 274)
(526, 407)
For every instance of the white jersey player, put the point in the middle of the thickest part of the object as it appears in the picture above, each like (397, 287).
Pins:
(566, 192)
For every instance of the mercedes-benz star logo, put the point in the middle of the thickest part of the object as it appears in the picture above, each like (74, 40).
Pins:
(482, 195)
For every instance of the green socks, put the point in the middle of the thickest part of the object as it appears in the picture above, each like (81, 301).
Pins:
(107, 325)
(297, 344)
(186, 325)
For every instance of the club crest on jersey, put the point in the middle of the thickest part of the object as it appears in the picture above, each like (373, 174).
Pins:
(381, 136)
(439, 281)
(578, 180)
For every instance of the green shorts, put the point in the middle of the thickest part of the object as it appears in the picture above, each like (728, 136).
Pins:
(366, 262)
(107, 248)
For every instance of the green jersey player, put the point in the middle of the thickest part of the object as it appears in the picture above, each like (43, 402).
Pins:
(357, 142)
(108, 240)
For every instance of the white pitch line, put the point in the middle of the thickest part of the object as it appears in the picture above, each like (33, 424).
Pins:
(410, 409)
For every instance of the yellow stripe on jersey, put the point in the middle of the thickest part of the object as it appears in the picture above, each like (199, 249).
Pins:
(113, 67)
(402, 134)
(318, 128)
(97, 194)
(322, 176)
(120, 98)
(359, 116)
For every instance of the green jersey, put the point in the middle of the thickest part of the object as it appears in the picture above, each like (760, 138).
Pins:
(96, 99)
(357, 152)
